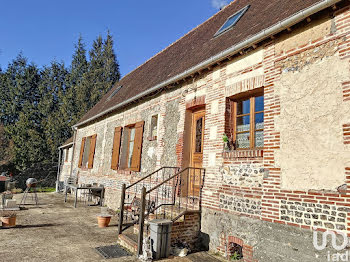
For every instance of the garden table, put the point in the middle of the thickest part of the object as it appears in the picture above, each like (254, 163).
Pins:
(78, 187)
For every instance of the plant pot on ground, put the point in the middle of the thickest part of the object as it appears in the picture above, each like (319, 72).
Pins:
(103, 220)
(8, 219)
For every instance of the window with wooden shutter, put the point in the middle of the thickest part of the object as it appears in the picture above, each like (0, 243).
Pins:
(92, 151)
(136, 155)
(116, 148)
(81, 152)
(131, 145)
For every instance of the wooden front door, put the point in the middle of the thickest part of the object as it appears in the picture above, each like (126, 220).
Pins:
(197, 142)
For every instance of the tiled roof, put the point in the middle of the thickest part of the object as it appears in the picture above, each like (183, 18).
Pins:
(199, 45)
(68, 141)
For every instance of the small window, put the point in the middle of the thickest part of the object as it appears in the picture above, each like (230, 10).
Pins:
(248, 122)
(66, 155)
(154, 128)
(199, 134)
(232, 21)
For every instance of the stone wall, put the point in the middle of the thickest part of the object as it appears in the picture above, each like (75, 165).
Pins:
(241, 205)
(317, 215)
(265, 241)
(155, 152)
(249, 175)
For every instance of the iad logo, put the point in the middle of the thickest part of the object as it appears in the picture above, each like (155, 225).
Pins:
(334, 256)
(334, 240)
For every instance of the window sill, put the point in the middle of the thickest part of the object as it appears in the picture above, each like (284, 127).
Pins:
(85, 169)
(250, 153)
(152, 138)
(124, 172)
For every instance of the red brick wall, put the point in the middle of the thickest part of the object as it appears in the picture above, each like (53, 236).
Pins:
(186, 230)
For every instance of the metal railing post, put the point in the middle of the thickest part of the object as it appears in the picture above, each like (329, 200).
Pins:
(141, 221)
(121, 213)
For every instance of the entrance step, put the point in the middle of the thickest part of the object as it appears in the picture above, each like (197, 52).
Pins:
(128, 240)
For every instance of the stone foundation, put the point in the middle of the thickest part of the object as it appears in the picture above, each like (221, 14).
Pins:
(261, 240)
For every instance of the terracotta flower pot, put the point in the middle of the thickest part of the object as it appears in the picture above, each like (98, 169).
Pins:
(8, 221)
(103, 221)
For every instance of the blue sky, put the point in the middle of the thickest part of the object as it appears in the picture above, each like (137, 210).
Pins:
(46, 30)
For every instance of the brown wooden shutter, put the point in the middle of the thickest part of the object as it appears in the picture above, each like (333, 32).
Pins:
(116, 148)
(92, 151)
(136, 154)
(81, 152)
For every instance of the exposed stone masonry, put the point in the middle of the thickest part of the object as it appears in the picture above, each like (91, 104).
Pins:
(299, 61)
(312, 214)
(242, 205)
(243, 175)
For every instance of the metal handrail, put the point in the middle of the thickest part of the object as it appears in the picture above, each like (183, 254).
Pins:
(167, 180)
(125, 188)
(142, 215)
(175, 184)
(145, 177)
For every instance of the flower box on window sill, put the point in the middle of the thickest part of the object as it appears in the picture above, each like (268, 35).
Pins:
(249, 153)
(152, 138)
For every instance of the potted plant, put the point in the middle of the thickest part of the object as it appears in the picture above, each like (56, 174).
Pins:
(104, 218)
(8, 219)
(226, 142)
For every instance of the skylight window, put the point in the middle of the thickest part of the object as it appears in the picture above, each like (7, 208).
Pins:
(232, 21)
(114, 92)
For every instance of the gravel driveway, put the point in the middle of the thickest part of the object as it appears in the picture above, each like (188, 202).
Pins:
(55, 231)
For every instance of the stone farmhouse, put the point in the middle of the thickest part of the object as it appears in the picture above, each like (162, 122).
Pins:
(251, 113)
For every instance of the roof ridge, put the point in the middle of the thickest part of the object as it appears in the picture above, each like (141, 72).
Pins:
(193, 29)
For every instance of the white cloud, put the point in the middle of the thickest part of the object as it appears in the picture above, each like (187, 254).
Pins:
(218, 4)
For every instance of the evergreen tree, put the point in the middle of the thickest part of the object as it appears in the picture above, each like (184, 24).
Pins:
(94, 78)
(18, 87)
(79, 63)
(19, 111)
(74, 101)
(111, 66)
(103, 72)
(38, 108)
(54, 120)
(6, 147)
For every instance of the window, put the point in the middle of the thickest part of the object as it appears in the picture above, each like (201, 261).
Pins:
(153, 128)
(127, 147)
(114, 92)
(87, 152)
(248, 122)
(232, 21)
(199, 134)
(116, 148)
(66, 155)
